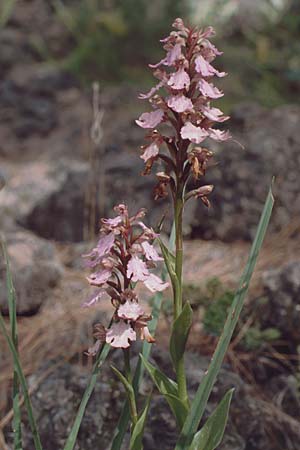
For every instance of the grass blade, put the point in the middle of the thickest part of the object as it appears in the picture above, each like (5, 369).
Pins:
(11, 297)
(23, 383)
(139, 371)
(204, 390)
(102, 355)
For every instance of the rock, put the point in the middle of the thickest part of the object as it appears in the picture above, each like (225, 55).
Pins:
(282, 289)
(242, 176)
(47, 198)
(35, 271)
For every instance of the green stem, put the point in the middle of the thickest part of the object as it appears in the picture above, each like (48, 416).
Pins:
(131, 393)
(178, 300)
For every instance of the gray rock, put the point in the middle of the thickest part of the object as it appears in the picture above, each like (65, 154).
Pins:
(35, 270)
(47, 198)
(282, 288)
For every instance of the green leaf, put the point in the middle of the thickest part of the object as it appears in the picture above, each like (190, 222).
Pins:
(138, 431)
(178, 408)
(18, 371)
(164, 384)
(211, 434)
(169, 259)
(205, 388)
(123, 380)
(11, 297)
(123, 422)
(102, 355)
(168, 388)
(180, 333)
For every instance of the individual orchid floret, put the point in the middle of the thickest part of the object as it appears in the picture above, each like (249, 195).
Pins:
(150, 152)
(209, 90)
(180, 103)
(150, 119)
(179, 80)
(205, 69)
(120, 335)
(193, 133)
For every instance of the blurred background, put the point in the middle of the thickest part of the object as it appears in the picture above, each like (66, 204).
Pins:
(70, 74)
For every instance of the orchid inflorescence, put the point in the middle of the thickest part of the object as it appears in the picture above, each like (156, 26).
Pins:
(185, 107)
(123, 256)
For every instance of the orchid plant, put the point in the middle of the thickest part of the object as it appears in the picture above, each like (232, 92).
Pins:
(179, 125)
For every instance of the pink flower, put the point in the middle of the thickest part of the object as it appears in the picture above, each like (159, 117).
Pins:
(180, 103)
(193, 133)
(209, 51)
(137, 269)
(219, 135)
(103, 247)
(209, 90)
(130, 311)
(99, 278)
(155, 284)
(152, 91)
(214, 114)
(172, 56)
(94, 298)
(150, 152)
(112, 223)
(150, 252)
(150, 119)
(205, 69)
(145, 335)
(179, 80)
(92, 351)
(120, 334)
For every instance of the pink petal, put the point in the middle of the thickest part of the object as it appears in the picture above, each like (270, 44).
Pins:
(120, 334)
(209, 90)
(214, 114)
(99, 278)
(209, 51)
(130, 311)
(93, 299)
(205, 69)
(150, 252)
(208, 32)
(155, 284)
(112, 223)
(179, 80)
(172, 56)
(219, 135)
(92, 351)
(104, 246)
(152, 91)
(150, 152)
(180, 103)
(146, 335)
(150, 119)
(148, 232)
(193, 133)
(137, 269)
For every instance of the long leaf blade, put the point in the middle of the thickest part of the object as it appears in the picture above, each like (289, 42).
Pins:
(23, 383)
(211, 434)
(138, 431)
(11, 297)
(204, 390)
(102, 355)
